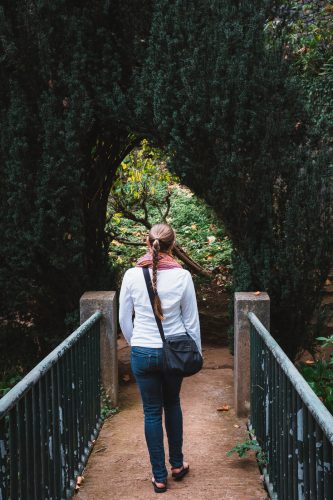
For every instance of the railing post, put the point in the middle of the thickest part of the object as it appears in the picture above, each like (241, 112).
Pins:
(246, 302)
(90, 302)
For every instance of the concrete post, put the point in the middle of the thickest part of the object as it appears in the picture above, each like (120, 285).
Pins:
(90, 302)
(245, 302)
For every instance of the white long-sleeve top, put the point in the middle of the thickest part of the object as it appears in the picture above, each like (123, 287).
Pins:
(176, 291)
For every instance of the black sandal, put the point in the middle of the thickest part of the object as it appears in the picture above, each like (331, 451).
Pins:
(157, 489)
(179, 475)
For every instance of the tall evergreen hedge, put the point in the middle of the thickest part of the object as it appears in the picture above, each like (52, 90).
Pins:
(64, 71)
(221, 96)
(82, 82)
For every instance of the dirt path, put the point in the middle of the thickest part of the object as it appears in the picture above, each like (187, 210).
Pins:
(119, 467)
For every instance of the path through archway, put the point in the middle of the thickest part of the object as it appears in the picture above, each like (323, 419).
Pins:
(119, 465)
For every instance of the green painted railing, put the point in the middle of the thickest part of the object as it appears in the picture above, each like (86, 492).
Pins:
(293, 427)
(50, 418)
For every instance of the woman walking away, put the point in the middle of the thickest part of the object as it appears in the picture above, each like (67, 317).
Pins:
(175, 304)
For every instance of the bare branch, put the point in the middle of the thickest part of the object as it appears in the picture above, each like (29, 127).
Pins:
(156, 205)
(145, 208)
(194, 266)
(168, 206)
(129, 242)
(134, 218)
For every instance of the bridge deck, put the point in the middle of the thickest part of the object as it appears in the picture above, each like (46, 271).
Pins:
(119, 467)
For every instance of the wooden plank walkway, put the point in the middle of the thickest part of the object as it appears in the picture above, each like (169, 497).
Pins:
(119, 467)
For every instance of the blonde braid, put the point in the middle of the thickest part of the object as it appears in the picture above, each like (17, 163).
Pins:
(161, 237)
(157, 301)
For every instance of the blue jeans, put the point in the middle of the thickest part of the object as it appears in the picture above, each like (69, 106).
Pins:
(158, 391)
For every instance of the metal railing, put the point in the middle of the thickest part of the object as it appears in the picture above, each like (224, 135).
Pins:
(49, 419)
(293, 427)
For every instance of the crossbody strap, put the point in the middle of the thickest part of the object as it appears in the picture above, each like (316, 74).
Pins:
(151, 297)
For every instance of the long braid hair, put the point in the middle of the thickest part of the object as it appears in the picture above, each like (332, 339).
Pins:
(161, 238)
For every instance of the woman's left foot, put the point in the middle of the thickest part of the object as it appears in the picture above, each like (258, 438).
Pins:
(159, 487)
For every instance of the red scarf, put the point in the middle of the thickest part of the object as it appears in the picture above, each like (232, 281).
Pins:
(165, 261)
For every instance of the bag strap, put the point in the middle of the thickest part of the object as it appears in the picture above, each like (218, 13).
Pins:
(151, 297)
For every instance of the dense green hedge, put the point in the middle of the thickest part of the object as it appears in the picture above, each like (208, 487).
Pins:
(63, 78)
(82, 82)
(224, 97)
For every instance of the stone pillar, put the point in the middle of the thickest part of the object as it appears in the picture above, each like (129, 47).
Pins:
(105, 302)
(245, 302)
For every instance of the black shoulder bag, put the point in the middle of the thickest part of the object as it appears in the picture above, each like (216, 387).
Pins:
(181, 355)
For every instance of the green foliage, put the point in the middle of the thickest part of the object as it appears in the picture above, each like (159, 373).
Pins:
(107, 410)
(326, 341)
(198, 230)
(142, 192)
(321, 318)
(142, 177)
(21, 347)
(308, 27)
(8, 382)
(251, 444)
(319, 375)
(308, 33)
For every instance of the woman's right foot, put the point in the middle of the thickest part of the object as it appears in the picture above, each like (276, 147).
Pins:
(159, 487)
